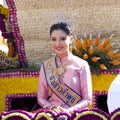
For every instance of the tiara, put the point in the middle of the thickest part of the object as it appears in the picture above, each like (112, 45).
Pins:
(62, 17)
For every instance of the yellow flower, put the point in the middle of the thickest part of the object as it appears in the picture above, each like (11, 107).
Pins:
(102, 67)
(85, 56)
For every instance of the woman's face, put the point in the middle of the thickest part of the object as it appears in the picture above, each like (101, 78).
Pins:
(60, 42)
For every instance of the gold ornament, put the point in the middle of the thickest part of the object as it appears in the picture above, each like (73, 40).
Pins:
(61, 68)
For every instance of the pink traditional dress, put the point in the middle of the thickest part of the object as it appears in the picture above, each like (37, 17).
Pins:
(71, 72)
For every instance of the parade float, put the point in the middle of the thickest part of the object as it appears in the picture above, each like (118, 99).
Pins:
(24, 29)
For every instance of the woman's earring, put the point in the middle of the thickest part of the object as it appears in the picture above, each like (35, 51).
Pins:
(71, 47)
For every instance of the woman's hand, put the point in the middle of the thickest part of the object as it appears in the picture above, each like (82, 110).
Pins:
(69, 111)
(56, 109)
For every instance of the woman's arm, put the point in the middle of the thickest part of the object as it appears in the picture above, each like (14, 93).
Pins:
(86, 89)
(42, 93)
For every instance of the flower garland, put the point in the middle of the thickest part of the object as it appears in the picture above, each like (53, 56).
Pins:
(90, 114)
(16, 32)
(115, 115)
(63, 115)
(86, 114)
(44, 114)
(16, 113)
(98, 54)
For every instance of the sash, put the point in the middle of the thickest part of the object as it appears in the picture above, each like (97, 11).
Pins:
(63, 91)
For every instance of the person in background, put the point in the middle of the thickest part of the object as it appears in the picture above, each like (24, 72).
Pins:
(65, 78)
(113, 96)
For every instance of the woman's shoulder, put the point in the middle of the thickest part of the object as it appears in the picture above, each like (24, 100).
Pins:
(49, 60)
(79, 61)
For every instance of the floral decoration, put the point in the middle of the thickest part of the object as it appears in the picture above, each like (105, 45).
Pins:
(90, 114)
(63, 115)
(8, 62)
(99, 54)
(16, 115)
(115, 115)
(86, 114)
(16, 33)
(44, 115)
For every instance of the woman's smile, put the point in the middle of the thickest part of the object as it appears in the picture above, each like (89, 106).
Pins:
(58, 48)
(60, 43)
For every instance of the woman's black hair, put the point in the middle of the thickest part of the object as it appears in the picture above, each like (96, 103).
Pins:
(61, 26)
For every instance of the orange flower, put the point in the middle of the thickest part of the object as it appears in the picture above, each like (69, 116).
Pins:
(110, 53)
(95, 59)
(77, 43)
(85, 40)
(108, 47)
(77, 51)
(117, 56)
(106, 42)
(91, 50)
(89, 43)
(102, 67)
(115, 62)
(98, 53)
(97, 41)
(84, 47)
(100, 47)
(85, 56)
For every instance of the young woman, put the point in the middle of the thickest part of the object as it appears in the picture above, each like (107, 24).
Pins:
(65, 78)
